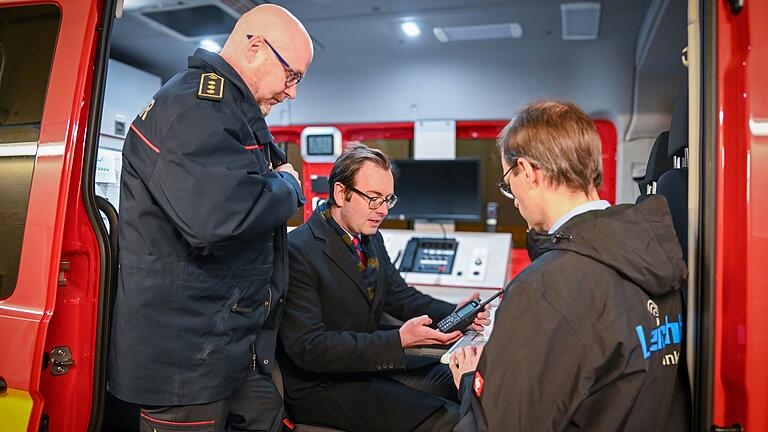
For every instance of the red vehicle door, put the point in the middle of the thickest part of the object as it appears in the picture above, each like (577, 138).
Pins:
(51, 57)
(741, 220)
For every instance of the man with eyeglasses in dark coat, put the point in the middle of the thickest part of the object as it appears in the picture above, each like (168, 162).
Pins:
(341, 368)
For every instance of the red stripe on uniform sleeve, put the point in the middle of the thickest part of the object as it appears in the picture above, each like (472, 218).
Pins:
(253, 147)
(146, 141)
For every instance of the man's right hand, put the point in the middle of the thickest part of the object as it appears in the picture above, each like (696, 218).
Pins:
(286, 167)
(416, 332)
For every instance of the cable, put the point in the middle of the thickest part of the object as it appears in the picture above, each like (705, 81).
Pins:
(397, 257)
(442, 227)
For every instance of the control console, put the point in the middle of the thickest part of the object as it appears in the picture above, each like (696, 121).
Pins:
(429, 255)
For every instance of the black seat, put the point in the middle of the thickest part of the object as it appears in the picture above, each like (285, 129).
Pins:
(659, 162)
(277, 378)
(673, 184)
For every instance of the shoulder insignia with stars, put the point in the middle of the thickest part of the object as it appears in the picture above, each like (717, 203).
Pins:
(211, 87)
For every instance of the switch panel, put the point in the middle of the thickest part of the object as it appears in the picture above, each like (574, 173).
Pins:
(478, 264)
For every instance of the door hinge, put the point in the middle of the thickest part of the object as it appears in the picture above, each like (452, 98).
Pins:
(64, 267)
(736, 6)
(734, 428)
(61, 360)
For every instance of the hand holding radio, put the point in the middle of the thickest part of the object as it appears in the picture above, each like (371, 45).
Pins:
(483, 318)
(416, 332)
(468, 315)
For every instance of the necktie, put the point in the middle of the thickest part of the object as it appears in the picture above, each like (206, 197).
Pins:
(359, 250)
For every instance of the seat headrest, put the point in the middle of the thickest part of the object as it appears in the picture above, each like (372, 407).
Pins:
(658, 161)
(678, 129)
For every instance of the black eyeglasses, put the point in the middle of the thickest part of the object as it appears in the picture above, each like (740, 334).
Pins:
(503, 185)
(376, 202)
(293, 76)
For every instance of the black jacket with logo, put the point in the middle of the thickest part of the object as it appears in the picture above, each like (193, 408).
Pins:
(590, 335)
(203, 256)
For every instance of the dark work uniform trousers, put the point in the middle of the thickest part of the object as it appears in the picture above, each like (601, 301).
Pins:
(433, 379)
(256, 406)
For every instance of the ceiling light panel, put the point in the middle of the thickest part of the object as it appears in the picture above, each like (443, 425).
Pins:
(478, 32)
(411, 29)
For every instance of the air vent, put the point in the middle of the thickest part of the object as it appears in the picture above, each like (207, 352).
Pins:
(581, 21)
(478, 32)
(192, 22)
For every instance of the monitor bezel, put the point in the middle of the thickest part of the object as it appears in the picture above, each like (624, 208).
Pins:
(463, 217)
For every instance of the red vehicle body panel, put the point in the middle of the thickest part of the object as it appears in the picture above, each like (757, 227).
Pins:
(741, 305)
(54, 232)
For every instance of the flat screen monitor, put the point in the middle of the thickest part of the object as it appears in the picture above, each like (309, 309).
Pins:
(437, 190)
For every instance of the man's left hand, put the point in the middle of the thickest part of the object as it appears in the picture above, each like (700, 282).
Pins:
(482, 319)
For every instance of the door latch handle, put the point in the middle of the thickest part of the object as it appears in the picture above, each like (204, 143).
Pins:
(61, 360)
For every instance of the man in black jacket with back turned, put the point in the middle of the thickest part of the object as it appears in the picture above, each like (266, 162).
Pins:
(590, 335)
(341, 368)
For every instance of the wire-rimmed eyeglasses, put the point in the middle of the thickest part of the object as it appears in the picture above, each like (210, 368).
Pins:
(293, 76)
(503, 185)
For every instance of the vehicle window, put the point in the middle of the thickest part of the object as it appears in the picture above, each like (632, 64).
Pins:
(27, 42)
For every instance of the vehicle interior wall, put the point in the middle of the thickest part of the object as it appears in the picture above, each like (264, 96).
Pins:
(367, 70)
(126, 92)
(658, 71)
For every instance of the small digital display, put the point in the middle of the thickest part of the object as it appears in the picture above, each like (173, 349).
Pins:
(466, 309)
(320, 145)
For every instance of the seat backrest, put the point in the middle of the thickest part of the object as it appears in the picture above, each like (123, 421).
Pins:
(277, 378)
(658, 163)
(678, 129)
(674, 183)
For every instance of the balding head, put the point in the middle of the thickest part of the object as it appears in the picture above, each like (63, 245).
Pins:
(248, 51)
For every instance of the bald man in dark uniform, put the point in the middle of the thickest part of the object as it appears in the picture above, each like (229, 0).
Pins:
(205, 200)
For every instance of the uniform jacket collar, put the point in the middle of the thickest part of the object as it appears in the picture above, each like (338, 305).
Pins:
(208, 61)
